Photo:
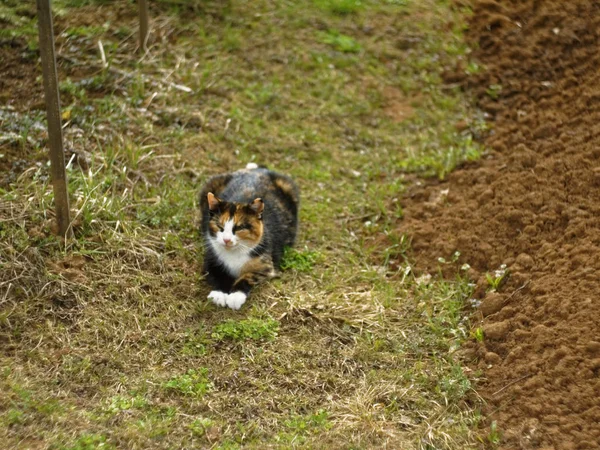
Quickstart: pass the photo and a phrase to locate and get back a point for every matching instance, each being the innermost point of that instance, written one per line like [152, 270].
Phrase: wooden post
[144, 25]
[55, 136]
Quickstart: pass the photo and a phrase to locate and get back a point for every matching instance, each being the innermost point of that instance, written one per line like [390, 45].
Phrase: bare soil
[533, 204]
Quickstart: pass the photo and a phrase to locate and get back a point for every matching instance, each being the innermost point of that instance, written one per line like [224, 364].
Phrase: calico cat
[248, 217]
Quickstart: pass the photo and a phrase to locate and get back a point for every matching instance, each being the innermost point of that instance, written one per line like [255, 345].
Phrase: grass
[108, 340]
[193, 383]
[250, 329]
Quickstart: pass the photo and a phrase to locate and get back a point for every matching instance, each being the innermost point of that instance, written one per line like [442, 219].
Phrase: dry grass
[107, 340]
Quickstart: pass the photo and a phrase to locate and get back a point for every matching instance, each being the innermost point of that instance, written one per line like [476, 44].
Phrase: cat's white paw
[217, 297]
[236, 300]
[251, 166]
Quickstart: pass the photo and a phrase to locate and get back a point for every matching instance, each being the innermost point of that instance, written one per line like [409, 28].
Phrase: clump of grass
[196, 342]
[90, 441]
[494, 436]
[247, 329]
[299, 427]
[302, 261]
[341, 7]
[194, 383]
[200, 426]
[494, 91]
[120, 403]
[340, 42]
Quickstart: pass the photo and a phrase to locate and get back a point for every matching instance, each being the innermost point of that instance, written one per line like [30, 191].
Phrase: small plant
[340, 42]
[477, 334]
[199, 426]
[196, 341]
[494, 90]
[496, 280]
[298, 427]
[304, 423]
[14, 417]
[194, 383]
[90, 442]
[120, 403]
[302, 261]
[494, 436]
[473, 68]
[249, 329]
[455, 384]
[340, 7]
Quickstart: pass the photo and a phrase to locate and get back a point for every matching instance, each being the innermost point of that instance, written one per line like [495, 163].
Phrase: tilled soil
[534, 205]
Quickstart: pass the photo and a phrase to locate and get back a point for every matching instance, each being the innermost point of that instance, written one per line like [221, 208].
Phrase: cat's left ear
[258, 207]
[213, 202]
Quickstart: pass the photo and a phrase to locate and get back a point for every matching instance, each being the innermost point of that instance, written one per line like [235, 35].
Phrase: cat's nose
[227, 241]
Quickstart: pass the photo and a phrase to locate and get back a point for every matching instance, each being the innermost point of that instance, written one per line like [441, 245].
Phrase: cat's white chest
[232, 259]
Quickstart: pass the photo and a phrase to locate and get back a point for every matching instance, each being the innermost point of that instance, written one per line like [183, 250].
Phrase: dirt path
[534, 205]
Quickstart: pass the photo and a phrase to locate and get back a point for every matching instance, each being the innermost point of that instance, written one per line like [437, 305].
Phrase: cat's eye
[220, 227]
[240, 227]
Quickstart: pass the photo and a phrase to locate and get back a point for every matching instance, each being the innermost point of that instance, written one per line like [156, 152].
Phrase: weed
[13, 417]
[247, 329]
[497, 279]
[478, 334]
[494, 91]
[340, 42]
[120, 403]
[199, 426]
[494, 437]
[341, 7]
[196, 342]
[90, 442]
[299, 427]
[302, 261]
[194, 383]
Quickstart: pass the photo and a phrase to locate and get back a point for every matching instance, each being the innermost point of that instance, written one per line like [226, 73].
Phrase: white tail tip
[251, 166]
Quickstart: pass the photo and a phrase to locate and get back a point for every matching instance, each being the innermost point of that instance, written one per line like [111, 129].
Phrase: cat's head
[235, 225]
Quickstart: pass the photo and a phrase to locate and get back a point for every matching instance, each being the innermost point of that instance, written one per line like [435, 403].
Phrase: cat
[248, 218]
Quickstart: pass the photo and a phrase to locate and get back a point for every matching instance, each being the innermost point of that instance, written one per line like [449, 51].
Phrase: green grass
[108, 339]
[193, 383]
[340, 42]
[250, 329]
[340, 7]
[302, 261]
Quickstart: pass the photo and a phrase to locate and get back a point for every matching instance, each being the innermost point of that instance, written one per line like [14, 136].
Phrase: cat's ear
[258, 207]
[213, 202]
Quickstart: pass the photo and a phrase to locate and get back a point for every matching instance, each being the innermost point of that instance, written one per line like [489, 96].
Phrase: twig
[511, 383]
[515, 291]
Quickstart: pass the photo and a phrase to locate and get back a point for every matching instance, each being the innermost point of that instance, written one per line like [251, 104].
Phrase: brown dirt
[18, 86]
[397, 106]
[534, 204]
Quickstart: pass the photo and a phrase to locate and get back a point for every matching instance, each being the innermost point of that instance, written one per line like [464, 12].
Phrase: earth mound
[533, 204]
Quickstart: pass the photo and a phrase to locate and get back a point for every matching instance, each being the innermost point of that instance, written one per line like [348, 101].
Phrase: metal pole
[55, 137]
[144, 24]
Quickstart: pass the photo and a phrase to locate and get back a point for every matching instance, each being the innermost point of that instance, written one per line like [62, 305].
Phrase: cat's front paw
[236, 300]
[217, 297]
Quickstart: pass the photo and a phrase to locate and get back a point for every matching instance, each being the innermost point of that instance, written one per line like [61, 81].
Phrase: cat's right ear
[213, 202]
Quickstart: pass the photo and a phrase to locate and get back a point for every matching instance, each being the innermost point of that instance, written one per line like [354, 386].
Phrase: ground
[441, 293]
[530, 209]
